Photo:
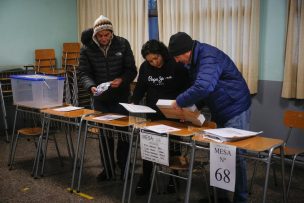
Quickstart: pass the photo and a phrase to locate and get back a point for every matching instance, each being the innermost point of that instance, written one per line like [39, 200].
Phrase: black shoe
[143, 186]
[171, 187]
[102, 176]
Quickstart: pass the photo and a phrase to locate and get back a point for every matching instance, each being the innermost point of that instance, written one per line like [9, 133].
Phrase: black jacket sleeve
[141, 86]
[85, 72]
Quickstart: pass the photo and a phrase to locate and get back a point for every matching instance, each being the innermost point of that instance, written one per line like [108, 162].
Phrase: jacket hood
[86, 36]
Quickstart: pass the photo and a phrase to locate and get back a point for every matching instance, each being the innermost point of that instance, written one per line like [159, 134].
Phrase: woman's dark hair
[155, 47]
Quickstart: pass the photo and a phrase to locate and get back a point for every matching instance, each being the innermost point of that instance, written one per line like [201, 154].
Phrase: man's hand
[116, 83]
[177, 108]
[93, 90]
[175, 105]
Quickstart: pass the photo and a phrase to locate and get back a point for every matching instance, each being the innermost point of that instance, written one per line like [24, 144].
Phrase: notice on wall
[154, 147]
[222, 166]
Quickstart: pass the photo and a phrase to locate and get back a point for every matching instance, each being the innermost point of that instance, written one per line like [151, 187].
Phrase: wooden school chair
[294, 120]
[32, 130]
[75, 92]
[45, 62]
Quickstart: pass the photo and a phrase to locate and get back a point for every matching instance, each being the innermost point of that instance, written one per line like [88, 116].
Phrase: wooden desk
[74, 117]
[256, 144]
[187, 130]
[107, 125]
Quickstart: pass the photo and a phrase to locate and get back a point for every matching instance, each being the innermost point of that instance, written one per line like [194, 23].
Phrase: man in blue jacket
[216, 82]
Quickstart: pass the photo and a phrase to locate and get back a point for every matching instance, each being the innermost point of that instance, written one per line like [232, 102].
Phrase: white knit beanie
[102, 23]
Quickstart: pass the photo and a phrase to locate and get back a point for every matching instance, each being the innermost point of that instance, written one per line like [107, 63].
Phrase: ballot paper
[228, 134]
[102, 88]
[109, 117]
[161, 128]
[68, 108]
[133, 108]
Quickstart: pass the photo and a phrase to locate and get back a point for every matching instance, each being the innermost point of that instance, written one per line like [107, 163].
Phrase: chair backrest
[293, 119]
[70, 54]
[44, 59]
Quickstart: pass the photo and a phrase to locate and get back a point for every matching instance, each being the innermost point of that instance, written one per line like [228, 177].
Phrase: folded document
[228, 134]
[102, 88]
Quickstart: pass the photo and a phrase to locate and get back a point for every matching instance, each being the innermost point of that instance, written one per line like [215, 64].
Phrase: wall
[27, 25]
[267, 105]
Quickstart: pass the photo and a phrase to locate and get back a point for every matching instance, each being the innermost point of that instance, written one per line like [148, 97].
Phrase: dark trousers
[122, 145]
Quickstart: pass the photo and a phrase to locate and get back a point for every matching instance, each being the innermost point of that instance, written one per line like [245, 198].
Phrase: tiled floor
[17, 185]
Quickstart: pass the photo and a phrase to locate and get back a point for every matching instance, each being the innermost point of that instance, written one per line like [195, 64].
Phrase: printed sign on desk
[154, 147]
[222, 166]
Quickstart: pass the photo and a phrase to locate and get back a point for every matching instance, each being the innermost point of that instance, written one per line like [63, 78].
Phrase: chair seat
[52, 71]
[30, 131]
[179, 163]
[289, 151]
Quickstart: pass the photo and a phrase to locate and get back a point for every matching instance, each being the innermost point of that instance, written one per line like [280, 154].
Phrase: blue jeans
[241, 121]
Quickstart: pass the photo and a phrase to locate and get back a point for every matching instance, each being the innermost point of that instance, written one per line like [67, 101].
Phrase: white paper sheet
[68, 108]
[109, 117]
[154, 147]
[137, 108]
[162, 128]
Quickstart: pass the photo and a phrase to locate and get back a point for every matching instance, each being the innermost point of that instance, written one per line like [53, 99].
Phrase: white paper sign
[222, 166]
[154, 147]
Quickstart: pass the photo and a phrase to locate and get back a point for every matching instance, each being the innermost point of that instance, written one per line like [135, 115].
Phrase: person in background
[217, 82]
[106, 57]
[160, 77]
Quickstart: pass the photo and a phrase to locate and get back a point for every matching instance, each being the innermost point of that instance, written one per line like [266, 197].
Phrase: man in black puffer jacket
[105, 58]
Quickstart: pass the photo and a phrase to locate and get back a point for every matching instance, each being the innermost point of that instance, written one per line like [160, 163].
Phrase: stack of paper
[191, 114]
[137, 108]
[228, 134]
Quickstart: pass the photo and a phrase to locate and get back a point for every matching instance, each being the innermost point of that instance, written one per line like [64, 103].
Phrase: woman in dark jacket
[160, 77]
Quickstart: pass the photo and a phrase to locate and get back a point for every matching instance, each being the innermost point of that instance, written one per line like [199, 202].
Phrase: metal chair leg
[81, 158]
[290, 177]
[13, 135]
[152, 181]
[13, 152]
[252, 177]
[133, 168]
[45, 147]
[58, 152]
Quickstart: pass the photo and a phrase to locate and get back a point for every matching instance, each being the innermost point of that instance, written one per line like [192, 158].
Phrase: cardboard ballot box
[191, 114]
[38, 91]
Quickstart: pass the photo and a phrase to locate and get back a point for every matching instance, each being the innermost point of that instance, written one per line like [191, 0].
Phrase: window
[153, 20]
